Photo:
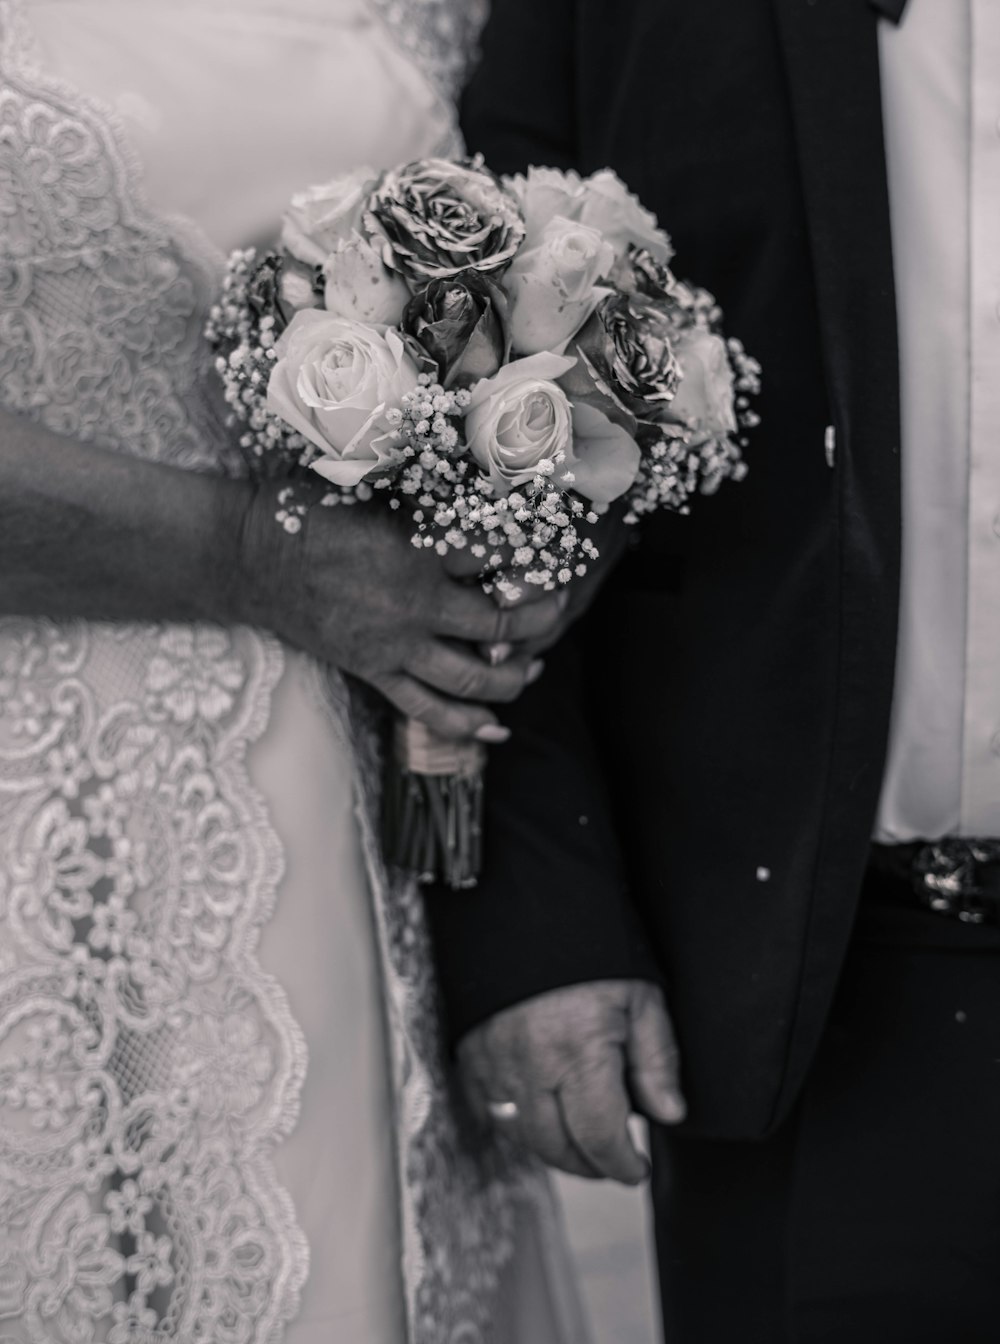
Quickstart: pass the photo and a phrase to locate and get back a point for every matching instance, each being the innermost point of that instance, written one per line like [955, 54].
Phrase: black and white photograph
[499, 671]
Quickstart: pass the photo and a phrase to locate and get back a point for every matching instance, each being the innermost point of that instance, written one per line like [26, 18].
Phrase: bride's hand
[351, 589]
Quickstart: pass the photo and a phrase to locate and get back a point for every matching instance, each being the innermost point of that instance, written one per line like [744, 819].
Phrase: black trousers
[873, 1216]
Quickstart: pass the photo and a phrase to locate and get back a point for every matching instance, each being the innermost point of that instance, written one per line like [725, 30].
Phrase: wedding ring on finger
[503, 1111]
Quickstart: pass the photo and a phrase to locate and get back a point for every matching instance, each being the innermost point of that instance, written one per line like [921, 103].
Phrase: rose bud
[609, 207]
[434, 219]
[601, 201]
[358, 286]
[321, 217]
[627, 348]
[520, 424]
[705, 400]
[462, 325]
[544, 193]
[555, 285]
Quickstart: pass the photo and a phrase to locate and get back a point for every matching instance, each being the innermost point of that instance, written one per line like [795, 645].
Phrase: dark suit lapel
[831, 57]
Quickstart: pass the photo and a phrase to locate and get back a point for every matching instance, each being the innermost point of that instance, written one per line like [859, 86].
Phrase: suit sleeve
[552, 907]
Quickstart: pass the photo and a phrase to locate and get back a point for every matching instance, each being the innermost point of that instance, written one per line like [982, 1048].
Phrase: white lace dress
[223, 1114]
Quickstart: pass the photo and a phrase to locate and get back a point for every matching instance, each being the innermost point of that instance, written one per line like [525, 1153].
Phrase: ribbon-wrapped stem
[434, 806]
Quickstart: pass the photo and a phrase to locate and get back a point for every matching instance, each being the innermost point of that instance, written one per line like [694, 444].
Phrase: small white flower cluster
[674, 470]
[682, 464]
[534, 531]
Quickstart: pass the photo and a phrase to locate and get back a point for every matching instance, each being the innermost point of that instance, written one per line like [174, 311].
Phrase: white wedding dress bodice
[223, 1114]
[233, 105]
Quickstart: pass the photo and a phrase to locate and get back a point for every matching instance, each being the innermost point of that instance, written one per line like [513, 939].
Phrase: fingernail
[534, 672]
[499, 653]
[493, 733]
[673, 1108]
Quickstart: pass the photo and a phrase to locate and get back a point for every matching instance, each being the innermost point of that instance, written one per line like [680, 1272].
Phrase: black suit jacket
[691, 787]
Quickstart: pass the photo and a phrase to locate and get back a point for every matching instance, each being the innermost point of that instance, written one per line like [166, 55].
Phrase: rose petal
[344, 473]
[545, 367]
[605, 459]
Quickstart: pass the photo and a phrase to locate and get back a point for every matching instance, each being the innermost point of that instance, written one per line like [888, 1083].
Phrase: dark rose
[462, 325]
[639, 272]
[268, 289]
[627, 349]
[435, 219]
[264, 289]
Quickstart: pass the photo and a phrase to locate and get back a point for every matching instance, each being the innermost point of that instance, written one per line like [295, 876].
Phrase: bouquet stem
[434, 806]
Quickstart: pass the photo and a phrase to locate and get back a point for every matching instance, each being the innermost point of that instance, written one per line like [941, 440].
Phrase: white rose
[608, 206]
[521, 419]
[553, 286]
[359, 287]
[542, 194]
[705, 399]
[335, 381]
[321, 216]
[602, 201]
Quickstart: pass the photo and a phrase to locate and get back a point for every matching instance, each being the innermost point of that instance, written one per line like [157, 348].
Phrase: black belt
[956, 878]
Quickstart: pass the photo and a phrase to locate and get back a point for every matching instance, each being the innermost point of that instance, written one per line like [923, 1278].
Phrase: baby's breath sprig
[683, 462]
[532, 535]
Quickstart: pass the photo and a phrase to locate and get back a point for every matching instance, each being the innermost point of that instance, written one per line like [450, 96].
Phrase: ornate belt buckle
[947, 878]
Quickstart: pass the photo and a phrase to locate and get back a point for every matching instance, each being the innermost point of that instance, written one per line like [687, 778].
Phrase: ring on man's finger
[503, 1111]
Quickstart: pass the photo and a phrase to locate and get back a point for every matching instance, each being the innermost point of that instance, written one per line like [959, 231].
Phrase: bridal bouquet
[500, 358]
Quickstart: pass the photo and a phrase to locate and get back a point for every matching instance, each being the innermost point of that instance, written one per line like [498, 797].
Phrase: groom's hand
[562, 1073]
[610, 534]
[352, 589]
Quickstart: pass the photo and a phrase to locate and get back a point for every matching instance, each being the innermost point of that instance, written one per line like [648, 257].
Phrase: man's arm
[548, 979]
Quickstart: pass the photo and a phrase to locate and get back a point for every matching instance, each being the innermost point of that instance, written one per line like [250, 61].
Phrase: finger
[595, 1110]
[537, 1125]
[531, 620]
[513, 590]
[464, 611]
[450, 719]
[495, 654]
[463, 564]
[461, 673]
[540, 1128]
[653, 1059]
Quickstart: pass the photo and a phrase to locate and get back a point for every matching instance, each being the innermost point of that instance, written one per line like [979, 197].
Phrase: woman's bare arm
[90, 533]
[104, 536]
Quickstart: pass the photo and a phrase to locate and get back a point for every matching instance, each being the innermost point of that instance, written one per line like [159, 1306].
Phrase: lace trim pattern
[101, 302]
[441, 36]
[148, 1066]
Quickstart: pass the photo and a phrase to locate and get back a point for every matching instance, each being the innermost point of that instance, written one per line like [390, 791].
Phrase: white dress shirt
[941, 104]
